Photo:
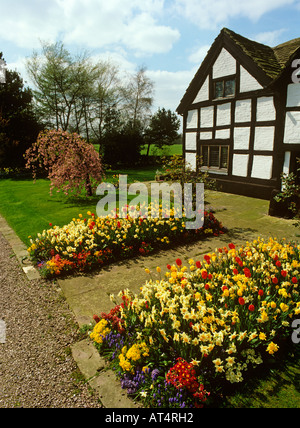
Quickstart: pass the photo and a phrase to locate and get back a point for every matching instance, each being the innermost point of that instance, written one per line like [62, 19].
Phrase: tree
[18, 125]
[163, 129]
[71, 162]
[122, 145]
[138, 97]
[104, 100]
[64, 86]
[73, 93]
[76, 94]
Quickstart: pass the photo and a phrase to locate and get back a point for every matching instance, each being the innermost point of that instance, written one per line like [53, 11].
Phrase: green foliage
[290, 194]
[122, 146]
[18, 125]
[163, 129]
[176, 169]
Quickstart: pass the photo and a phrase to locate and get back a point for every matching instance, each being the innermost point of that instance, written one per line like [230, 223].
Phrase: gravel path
[36, 366]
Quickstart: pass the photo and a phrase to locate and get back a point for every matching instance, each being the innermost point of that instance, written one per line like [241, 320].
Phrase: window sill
[223, 98]
[215, 170]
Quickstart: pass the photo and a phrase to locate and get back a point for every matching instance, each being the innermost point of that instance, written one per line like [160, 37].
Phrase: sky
[168, 37]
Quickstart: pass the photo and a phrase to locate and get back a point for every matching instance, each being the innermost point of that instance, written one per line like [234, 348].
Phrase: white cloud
[170, 87]
[19, 66]
[117, 58]
[270, 38]
[144, 35]
[199, 54]
[133, 24]
[25, 23]
[211, 14]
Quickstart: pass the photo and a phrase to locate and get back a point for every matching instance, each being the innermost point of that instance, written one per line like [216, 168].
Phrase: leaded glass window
[224, 88]
[215, 157]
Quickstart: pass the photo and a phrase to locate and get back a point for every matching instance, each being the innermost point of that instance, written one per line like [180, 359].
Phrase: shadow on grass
[276, 383]
[80, 201]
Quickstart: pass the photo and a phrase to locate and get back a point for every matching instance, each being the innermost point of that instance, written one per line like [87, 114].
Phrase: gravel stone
[36, 365]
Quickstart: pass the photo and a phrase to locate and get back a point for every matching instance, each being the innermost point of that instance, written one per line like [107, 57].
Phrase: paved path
[246, 219]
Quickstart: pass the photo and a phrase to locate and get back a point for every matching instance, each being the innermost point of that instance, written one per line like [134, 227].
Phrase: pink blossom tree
[70, 161]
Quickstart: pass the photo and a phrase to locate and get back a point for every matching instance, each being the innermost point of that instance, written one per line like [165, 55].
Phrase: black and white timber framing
[241, 114]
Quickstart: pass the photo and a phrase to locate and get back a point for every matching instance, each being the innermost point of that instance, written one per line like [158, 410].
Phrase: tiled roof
[284, 51]
[270, 61]
[264, 56]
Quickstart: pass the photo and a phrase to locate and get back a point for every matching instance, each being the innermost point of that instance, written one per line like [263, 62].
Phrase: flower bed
[199, 328]
[91, 242]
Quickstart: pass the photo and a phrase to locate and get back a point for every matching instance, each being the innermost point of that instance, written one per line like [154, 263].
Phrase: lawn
[174, 149]
[29, 208]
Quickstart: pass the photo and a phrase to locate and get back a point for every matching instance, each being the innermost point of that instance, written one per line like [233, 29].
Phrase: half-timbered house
[241, 114]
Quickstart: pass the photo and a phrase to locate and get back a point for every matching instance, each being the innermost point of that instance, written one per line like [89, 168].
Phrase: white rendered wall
[190, 158]
[205, 135]
[292, 127]
[265, 109]
[286, 163]
[191, 141]
[262, 167]
[241, 138]
[243, 111]
[247, 81]
[293, 95]
[223, 134]
[203, 94]
[224, 114]
[264, 138]
[192, 119]
[224, 65]
[240, 165]
[207, 117]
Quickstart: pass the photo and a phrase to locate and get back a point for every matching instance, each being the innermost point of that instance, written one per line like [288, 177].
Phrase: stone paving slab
[19, 249]
[100, 378]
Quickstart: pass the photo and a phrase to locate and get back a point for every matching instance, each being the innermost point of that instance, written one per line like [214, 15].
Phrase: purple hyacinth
[154, 374]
